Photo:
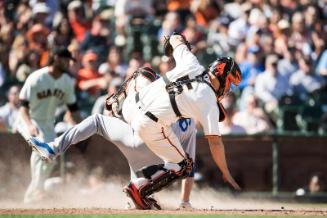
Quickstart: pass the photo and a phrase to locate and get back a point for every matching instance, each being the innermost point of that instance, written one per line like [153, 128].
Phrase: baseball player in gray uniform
[44, 90]
[122, 135]
[187, 91]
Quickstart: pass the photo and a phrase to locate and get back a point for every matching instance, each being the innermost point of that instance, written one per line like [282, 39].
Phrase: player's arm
[73, 114]
[181, 52]
[25, 115]
[217, 150]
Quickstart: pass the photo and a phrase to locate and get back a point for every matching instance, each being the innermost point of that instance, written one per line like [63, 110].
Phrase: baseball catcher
[187, 91]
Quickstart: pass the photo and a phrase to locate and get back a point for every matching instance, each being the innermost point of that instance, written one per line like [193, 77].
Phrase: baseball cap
[62, 52]
[41, 8]
[74, 5]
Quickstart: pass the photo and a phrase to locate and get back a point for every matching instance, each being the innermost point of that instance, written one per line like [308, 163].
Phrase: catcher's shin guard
[141, 203]
[163, 177]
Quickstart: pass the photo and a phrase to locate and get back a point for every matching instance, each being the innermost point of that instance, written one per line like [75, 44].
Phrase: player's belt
[148, 113]
[151, 116]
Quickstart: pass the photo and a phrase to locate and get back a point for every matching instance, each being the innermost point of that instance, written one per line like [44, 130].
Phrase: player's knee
[150, 172]
[154, 172]
[160, 177]
[95, 122]
[172, 166]
[96, 118]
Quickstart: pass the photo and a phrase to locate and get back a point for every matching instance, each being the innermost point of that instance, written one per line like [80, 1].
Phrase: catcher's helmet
[226, 71]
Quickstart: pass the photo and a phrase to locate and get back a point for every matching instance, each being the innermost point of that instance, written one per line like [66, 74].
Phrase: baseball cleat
[185, 206]
[132, 191]
[153, 203]
[43, 149]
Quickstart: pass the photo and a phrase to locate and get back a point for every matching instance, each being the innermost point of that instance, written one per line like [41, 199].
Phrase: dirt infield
[309, 213]
[112, 200]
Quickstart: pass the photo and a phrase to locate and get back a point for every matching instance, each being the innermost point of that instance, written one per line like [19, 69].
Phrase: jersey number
[184, 123]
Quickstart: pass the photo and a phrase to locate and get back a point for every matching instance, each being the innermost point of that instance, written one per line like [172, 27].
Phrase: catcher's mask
[226, 71]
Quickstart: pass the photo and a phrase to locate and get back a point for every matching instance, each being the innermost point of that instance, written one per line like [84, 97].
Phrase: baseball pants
[40, 170]
[123, 136]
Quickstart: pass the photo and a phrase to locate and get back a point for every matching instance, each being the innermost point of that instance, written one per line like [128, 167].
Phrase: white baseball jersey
[199, 102]
[46, 93]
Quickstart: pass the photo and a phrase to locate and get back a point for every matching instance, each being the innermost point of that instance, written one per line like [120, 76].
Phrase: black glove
[168, 49]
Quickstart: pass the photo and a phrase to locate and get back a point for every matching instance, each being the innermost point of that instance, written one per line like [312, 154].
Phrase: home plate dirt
[112, 200]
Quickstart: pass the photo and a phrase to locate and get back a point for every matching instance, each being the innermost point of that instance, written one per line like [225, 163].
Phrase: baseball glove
[168, 49]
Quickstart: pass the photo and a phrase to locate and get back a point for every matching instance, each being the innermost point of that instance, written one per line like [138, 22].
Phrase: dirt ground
[309, 213]
[111, 200]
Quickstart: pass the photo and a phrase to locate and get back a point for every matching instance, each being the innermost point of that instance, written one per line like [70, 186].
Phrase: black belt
[151, 116]
[148, 113]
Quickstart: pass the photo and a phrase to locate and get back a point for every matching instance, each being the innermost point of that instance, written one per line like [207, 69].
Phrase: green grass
[154, 215]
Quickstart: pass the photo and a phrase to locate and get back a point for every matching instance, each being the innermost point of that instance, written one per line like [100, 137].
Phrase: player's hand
[34, 131]
[228, 178]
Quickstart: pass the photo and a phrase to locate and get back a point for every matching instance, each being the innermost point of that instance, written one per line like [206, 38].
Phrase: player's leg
[186, 188]
[32, 193]
[161, 140]
[177, 163]
[185, 130]
[141, 157]
[110, 128]
[164, 143]
[40, 170]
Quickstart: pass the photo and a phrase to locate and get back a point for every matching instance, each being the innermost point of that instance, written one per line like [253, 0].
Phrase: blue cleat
[43, 149]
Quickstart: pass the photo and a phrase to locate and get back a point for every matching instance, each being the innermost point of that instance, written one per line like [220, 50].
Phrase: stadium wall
[250, 159]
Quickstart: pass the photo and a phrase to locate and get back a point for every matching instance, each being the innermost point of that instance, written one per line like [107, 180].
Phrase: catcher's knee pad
[160, 177]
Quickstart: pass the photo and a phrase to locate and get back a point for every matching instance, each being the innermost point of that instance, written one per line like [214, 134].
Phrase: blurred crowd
[280, 46]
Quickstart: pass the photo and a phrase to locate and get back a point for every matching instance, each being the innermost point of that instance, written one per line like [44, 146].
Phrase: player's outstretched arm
[33, 130]
[217, 150]
[182, 54]
[176, 40]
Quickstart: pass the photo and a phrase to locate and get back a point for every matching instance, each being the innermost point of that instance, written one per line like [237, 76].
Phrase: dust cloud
[109, 194]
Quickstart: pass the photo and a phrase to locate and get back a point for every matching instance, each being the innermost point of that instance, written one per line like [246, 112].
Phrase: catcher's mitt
[114, 102]
[168, 49]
